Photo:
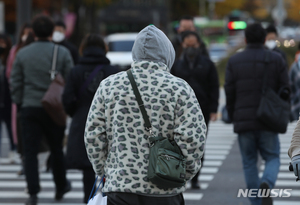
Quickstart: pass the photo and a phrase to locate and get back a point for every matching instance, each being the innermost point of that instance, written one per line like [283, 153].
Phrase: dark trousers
[120, 198]
[35, 123]
[195, 178]
[88, 182]
[5, 116]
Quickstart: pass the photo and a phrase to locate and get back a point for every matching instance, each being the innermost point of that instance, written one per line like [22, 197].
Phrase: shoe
[266, 200]
[32, 200]
[195, 185]
[59, 194]
[13, 157]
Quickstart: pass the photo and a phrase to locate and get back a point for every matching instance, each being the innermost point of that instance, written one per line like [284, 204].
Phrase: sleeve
[190, 131]
[67, 64]
[295, 143]
[17, 81]
[213, 88]
[10, 61]
[283, 76]
[229, 90]
[69, 97]
[95, 137]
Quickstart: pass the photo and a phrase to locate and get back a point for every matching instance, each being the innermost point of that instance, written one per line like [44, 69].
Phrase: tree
[226, 7]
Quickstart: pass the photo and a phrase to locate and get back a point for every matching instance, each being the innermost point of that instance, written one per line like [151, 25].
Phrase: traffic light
[236, 25]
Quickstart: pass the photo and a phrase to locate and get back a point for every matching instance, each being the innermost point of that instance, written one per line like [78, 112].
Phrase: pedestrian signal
[236, 25]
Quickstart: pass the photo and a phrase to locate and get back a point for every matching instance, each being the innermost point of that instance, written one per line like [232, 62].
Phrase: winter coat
[73, 50]
[294, 76]
[203, 78]
[116, 140]
[30, 77]
[295, 144]
[77, 104]
[243, 85]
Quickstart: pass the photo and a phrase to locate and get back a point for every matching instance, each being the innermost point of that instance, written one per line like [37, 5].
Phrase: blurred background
[219, 22]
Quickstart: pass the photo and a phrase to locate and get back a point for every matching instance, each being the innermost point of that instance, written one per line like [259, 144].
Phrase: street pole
[202, 8]
[23, 14]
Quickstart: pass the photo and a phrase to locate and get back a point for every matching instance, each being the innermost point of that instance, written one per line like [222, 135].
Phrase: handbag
[52, 100]
[97, 199]
[225, 116]
[167, 165]
[273, 111]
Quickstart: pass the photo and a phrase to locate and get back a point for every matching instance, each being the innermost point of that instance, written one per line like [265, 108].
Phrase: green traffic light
[239, 25]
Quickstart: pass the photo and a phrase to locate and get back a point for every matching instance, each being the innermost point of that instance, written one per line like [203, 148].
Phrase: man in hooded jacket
[116, 140]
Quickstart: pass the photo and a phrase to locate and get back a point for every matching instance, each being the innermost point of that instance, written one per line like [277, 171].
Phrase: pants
[195, 178]
[5, 117]
[267, 144]
[120, 198]
[35, 123]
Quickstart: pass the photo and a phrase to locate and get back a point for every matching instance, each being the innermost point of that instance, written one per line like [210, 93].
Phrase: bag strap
[89, 80]
[137, 94]
[95, 186]
[265, 78]
[53, 71]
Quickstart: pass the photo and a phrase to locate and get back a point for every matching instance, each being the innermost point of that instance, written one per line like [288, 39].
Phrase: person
[295, 83]
[5, 99]
[243, 88]
[201, 74]
[186, 23]
[59, 37]
[271, 43]
[30, 79]
[116, 141]
[294, 150]
[77, 98]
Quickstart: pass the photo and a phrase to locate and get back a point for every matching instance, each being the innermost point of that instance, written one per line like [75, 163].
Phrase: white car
[119, 49]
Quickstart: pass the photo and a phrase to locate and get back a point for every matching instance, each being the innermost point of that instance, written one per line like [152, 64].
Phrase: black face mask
[2, 50]
[191, 53]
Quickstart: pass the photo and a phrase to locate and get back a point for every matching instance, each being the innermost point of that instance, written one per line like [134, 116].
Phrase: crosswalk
[220, 141]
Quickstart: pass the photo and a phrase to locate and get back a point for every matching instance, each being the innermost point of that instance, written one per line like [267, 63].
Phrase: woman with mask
[81, 86]
[201, 74]
[5, 100]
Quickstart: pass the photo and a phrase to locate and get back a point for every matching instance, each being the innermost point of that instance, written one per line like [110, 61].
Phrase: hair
[42, 26]
[8, 47]
[60, 23]
[21, 44]
[186, 17]
[299, 46]
[271, 29]
[186, 34]
[92, 39]
[255, 33]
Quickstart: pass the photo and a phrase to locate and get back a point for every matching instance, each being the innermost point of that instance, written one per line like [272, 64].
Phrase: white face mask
[58, 36]
[23, 38]
[271, 44]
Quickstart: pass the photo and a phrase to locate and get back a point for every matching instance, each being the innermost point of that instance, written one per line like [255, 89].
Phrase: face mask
[2, 50]
[271, 44]
[58, 36]
[23, 38]
[191, 52]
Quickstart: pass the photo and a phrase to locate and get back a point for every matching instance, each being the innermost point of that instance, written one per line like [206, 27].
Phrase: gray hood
[152, 44]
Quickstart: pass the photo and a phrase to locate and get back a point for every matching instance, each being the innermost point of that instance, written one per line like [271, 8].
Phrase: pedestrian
[271, 44]
[201, 74]
[5, 99]
[243, 87]
[59, 37]
[294, 150]
[116, 140]
[30, 79]
[186, 23]
[294, 76]
[80, 89]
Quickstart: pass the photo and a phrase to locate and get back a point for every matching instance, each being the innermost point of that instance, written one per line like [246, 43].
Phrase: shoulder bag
[52, 100]
[167, 165]
[273, 111]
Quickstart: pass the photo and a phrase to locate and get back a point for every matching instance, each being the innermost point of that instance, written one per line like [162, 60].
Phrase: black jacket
[77, 105]
[73, 50]
[243, 85]
[204, 80]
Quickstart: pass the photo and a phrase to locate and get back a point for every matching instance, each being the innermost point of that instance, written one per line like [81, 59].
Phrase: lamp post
[23, 13]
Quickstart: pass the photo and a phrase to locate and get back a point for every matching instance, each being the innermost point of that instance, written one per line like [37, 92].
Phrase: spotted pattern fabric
[116, 140]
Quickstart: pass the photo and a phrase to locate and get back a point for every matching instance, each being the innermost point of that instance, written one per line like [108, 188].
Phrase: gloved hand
[296, 165]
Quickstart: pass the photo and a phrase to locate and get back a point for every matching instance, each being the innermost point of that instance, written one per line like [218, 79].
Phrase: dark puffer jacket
[243, 85]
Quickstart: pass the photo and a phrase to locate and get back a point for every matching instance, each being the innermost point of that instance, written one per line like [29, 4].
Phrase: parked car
[119, 49]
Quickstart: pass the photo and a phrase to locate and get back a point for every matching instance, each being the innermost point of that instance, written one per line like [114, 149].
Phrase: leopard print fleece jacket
[115, 138]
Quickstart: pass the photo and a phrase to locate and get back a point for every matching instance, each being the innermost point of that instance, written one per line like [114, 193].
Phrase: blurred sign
[236, 25]
[2, 17]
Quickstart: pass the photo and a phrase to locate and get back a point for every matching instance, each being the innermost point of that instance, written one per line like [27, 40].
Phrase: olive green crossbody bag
[167, 165]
